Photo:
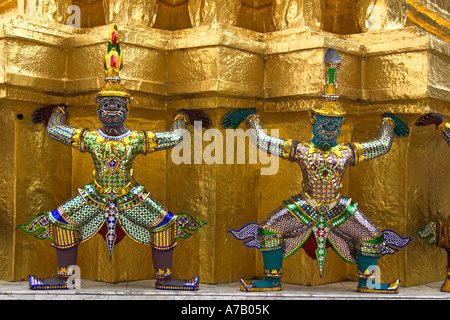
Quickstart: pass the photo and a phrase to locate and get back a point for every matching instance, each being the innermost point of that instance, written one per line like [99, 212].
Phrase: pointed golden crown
[113, 65]
[330, 105]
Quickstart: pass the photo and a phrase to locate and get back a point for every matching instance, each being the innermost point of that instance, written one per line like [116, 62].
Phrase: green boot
[368, 256]
[270, 245]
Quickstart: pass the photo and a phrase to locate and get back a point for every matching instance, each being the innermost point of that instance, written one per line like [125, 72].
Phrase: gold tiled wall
[215, 63]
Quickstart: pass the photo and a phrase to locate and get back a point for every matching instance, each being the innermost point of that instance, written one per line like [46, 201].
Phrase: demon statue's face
[326, 130]
[112, 111]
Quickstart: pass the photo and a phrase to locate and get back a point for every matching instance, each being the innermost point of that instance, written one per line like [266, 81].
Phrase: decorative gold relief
[312, 13]
[371, 14]
[381, 14]
[288, 14]
[135, 12]
[397, 13]
[47, 10]
[201, 12]
[204, 12]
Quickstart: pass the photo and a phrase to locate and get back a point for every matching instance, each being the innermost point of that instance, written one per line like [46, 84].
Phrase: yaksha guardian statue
[438, 232]
[320, 217]
[114, 204]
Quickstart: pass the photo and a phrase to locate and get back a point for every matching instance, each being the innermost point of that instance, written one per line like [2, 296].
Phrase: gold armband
[287, 151]
[254, 115]
[181, 116]
[149, 141]
[77, 138]
[61, 109]
[443, 126]
[358, 151]
[387, 119]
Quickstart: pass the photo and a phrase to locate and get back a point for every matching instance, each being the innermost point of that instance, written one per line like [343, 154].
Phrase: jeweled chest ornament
[325, 165]
[112, 164]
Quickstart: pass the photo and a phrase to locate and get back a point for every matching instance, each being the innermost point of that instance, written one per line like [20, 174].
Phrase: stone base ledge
[144, 290]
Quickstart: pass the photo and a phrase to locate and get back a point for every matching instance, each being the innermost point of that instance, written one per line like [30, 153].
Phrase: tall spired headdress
[113, 65]
[330, 105]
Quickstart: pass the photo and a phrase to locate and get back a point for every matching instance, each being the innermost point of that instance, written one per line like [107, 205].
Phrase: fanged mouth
[112, 116]
[112, 113]
[328, 134]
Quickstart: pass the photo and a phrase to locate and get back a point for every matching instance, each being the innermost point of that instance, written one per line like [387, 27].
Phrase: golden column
[216, 55]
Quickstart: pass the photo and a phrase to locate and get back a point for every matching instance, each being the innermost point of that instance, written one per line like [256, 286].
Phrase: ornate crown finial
[113, 65]
[329, 105]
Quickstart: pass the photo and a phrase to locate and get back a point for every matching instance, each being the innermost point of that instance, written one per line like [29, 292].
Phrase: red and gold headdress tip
[113, 56]
[114, 35]
[113, 65]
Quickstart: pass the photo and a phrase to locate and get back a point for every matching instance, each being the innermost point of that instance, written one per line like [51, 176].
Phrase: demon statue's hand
[235, 118]
[195, 115]
[401, 128]
[42, 115]
[429, 118]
